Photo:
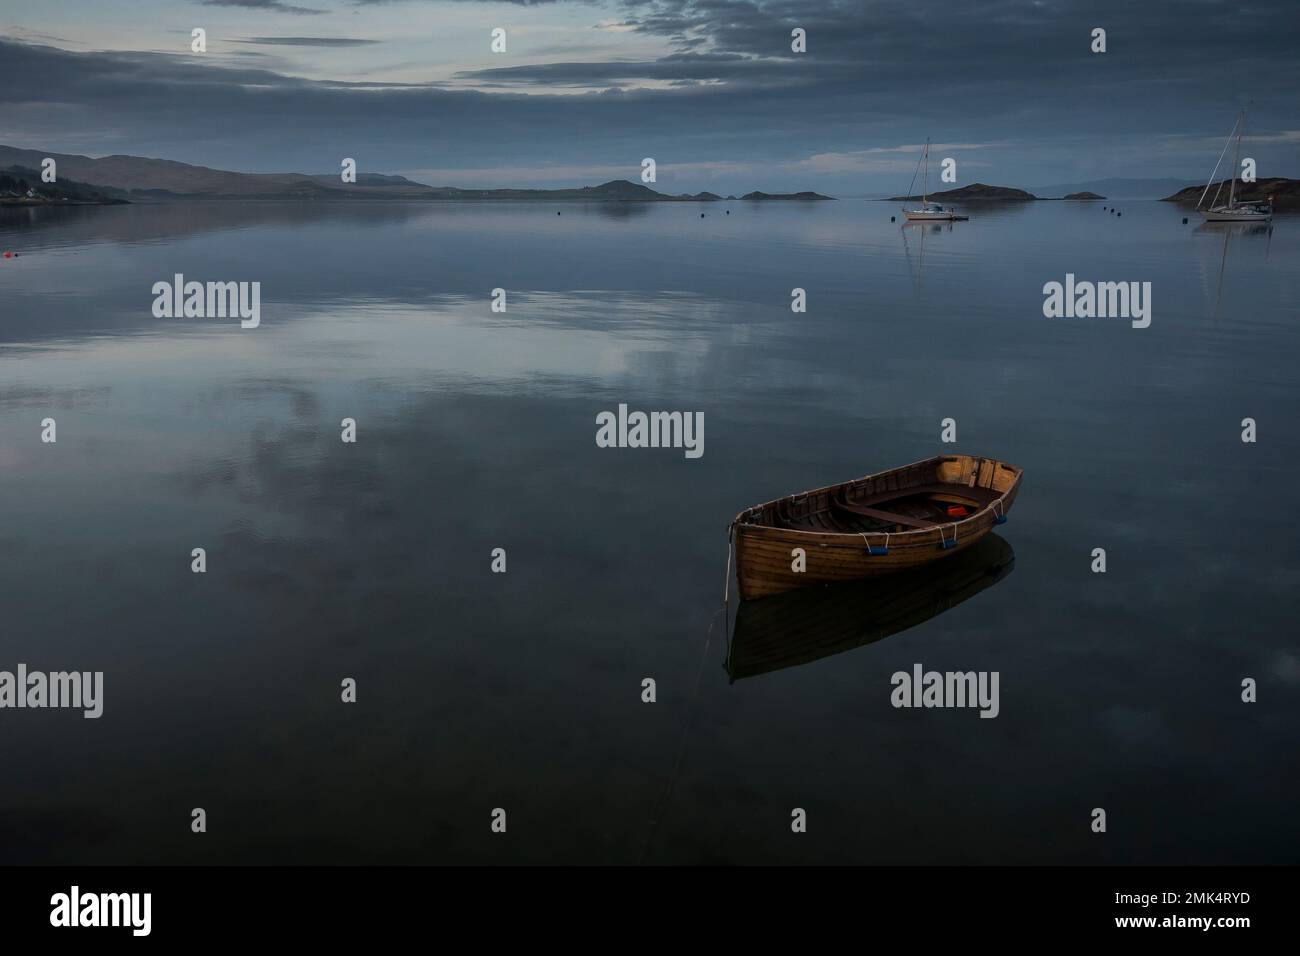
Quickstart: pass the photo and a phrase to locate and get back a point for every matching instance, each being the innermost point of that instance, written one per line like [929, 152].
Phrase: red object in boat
[957, 511]
[9, 255]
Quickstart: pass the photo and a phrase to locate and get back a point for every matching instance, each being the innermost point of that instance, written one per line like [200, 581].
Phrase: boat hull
[918, 216]
[1228, 215]
[766, 558]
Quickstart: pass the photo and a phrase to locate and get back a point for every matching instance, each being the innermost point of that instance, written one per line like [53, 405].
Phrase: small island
[975, 192]
[797, 197]
[1084, 196]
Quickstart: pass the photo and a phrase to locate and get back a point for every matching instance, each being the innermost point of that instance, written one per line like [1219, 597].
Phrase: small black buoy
[1119, 214]
[557, 212]
[891, 218]
[701, 215]
[728, 212]
[1103, 208]
[1184, 220]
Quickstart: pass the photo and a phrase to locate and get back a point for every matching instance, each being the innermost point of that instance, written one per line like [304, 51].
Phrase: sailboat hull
[925, 214]
[1235, 215]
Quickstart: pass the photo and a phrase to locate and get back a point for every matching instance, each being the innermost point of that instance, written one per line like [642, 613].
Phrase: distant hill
[369, 180]
[802, 197]
[1285, 192]
[141, 179]
[1116, 188]
[1087, 196]
[618, 190]
[974, 192]
[22, 186]
[155, 178]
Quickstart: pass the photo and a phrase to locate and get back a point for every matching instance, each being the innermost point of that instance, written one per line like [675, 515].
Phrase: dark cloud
[677, 67]
[934, 47]
[274, 5]
[306, 41]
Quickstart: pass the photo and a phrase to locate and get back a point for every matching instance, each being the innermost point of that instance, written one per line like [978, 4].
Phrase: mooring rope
[690, 704]
[726, 582]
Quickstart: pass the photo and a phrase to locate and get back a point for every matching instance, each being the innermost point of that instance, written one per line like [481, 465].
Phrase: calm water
[476, 431]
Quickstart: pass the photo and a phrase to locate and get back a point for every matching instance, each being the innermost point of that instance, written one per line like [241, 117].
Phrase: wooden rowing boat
[891, 521]
[787, 630]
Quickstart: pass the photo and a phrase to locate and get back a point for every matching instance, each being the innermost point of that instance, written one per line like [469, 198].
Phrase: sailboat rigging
[1233, 211]
[928, 209]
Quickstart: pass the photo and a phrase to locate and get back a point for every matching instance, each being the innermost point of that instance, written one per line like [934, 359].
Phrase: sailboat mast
[1236, 159]
[925, 180]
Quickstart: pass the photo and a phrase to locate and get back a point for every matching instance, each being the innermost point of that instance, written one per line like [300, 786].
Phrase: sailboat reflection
[1230, 231]
[1236, 228]
[797, 627]
[917, 269]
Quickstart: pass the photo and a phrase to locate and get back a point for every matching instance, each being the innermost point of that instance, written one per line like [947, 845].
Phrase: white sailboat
[928, 210]
[1255, 211]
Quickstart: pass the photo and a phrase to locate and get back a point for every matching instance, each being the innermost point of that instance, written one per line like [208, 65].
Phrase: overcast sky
[709, 88]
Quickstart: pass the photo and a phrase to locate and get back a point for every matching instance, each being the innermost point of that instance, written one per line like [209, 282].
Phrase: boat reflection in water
[916, 266]
[797, 627]
[1249, 231]
[1235, 228]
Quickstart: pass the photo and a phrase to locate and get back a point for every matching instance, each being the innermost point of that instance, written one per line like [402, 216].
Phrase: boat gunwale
[855, 538]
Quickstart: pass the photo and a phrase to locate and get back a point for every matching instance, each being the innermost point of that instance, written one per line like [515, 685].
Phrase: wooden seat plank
[905, 520]
[981, 496]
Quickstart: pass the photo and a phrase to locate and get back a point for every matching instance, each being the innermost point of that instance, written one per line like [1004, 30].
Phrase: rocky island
[798, 197]
[975, 192]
